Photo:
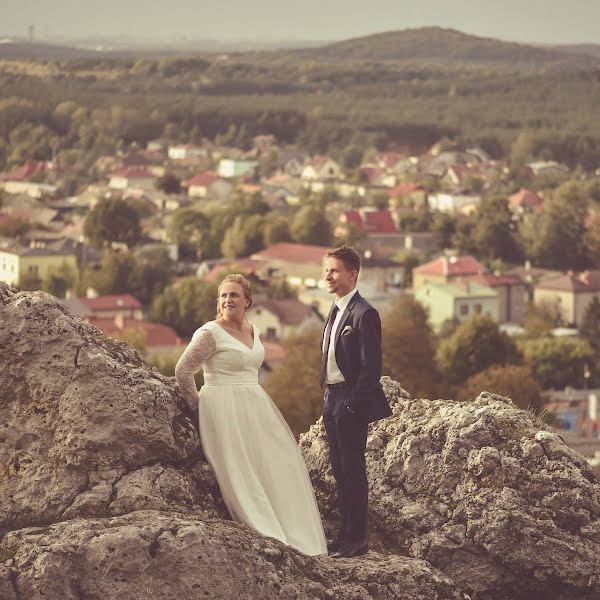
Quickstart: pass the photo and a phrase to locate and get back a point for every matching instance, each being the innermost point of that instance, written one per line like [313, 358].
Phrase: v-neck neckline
[240, 341]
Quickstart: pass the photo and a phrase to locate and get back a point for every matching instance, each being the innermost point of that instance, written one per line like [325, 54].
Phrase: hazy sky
[546, 21]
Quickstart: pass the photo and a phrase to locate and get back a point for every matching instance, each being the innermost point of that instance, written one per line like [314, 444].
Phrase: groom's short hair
[347, 255]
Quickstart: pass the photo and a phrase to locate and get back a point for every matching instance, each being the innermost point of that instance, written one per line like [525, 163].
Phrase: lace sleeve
[198, 350]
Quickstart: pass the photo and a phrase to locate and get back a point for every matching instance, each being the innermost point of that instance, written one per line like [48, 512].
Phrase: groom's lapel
[346, 316]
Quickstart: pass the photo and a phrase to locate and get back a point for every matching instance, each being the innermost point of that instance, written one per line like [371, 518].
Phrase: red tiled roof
[379, 221]
[112, 302]
[154, 334]
[588, 281]
[525, 198]
[300, 253]
[274, 351]
[498, 280]
[133, 173]
[289, 310]
[26, 171]
[371, 222]
[203, 179]
[388, 159]
[404, 189]
[453, 266]
[245, 265]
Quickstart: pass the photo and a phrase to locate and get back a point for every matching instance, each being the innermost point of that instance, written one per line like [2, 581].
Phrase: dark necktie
[323, 371]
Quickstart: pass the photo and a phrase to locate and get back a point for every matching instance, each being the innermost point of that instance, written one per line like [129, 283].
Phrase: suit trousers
[347, 438]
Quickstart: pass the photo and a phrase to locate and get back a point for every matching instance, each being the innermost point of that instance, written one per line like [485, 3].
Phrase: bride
[261, 473]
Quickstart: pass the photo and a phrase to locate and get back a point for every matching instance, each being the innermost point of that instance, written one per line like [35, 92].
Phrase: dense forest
[401, 90]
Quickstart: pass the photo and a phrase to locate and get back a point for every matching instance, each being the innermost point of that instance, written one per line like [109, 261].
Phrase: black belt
[336, 386]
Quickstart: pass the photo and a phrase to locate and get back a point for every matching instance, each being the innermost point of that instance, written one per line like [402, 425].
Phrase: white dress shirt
[333, 374]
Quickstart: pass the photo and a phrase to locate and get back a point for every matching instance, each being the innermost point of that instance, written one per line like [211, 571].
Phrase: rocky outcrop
[484, 491]
[105, 493]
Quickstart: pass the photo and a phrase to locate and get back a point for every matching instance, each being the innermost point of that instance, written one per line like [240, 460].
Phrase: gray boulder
[483, 491]
[105, 492]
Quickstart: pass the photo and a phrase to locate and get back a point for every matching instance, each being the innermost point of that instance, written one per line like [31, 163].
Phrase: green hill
[448, 45]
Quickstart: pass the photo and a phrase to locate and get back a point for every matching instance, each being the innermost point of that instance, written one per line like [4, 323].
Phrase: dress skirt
[261, 473]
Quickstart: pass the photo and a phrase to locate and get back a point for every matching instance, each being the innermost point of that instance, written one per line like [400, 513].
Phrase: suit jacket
[358, 355]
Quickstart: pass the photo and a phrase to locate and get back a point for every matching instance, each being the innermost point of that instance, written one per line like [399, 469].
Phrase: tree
[114, 275]
[512, 381]
[556, 237]
[521, 150]
[476, 345]
[590, 325]
[310, 226]
[190, 229]
[492, 232]
[59, 281]
[185, 306]
[294, 383]
[408, 350]
[244, 237]
[276, 229]
[558, 362]
[351, 156]
[539, 320]
[592, 237]
[112, 220]
[169, 184]
[443, 227]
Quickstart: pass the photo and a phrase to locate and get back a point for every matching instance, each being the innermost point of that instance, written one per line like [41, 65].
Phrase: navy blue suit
[350, 407]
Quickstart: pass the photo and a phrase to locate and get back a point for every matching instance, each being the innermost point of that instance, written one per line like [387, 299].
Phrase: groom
[350, 372]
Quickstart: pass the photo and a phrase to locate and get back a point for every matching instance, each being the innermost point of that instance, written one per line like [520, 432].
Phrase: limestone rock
[105, 492]
[483, 491]
[162, 556]
[85, 425]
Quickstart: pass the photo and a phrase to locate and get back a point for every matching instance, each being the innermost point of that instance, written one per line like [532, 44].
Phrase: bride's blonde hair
[239, 279]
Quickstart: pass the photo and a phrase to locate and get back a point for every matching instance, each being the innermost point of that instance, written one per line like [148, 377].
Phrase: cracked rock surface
[483, 491]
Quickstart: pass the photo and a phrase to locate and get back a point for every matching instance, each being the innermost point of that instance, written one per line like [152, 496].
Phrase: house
[300, 264]
[525, 201]
[458, 300]
[25, 180]
[212, 269]
[105, 307]
[568, 295]
[36, 260]
[264, 141]
[547, 168]
[280, 318]
[407, 194]
[453, 203]
[368, 222]
[199, 185]
[229, 167]
[321, 168]
[157, 339]
[186, 151]
[531, 276]
[459, 175]
[513, 296]
[131, 177]
[575, 411]
[160, 145]
[446, 269]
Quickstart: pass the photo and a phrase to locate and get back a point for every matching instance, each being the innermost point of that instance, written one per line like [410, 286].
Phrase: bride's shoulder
[208, 326]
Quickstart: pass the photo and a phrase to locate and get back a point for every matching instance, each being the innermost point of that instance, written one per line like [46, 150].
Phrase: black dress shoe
[351, 549]
[334, 546]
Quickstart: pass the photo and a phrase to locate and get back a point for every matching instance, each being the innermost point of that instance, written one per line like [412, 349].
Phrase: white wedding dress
[261, 473]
